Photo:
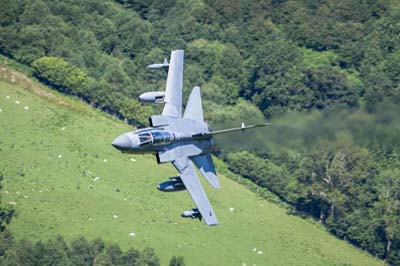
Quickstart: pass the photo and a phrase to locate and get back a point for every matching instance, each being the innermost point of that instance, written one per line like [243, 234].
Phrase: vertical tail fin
[194, 109]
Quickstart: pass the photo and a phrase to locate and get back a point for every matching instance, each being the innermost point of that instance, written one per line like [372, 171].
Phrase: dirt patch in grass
[12, 76]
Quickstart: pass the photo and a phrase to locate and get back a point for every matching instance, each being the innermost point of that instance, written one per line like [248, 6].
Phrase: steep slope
[63, 177]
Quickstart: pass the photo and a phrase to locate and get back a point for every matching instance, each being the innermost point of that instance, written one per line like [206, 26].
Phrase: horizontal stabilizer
[206, 166]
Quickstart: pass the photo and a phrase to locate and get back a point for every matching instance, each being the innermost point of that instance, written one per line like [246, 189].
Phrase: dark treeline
[252, 59]
[80, 252]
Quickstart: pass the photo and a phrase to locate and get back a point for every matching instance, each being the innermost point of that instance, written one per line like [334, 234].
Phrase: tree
[6, 241]
[9, 11]
[387, 213]
[131, 257]
[331, 178]
[377, 87]
[77, 81]
[26, 255]
[176, 261]
[63, 76]
[53, 252]
[53, 70]
[149, 258]
[329, 87]
[6, 213]
[81, 252]
[133, 111]
[268, 66]
[391, 68]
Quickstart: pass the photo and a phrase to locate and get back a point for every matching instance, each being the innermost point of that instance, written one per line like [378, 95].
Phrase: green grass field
[63, 177]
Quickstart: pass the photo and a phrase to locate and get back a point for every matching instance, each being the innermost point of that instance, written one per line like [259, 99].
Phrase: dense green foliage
[59, 73]
[279, 56]
[258, 50]
[80, 252]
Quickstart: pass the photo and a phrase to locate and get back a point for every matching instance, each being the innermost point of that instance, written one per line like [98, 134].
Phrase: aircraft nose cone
[122, 142]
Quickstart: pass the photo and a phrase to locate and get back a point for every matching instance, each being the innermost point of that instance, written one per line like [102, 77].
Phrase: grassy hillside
[63, 177]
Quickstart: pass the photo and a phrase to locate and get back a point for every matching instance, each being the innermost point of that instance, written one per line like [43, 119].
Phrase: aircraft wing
[173, 92]
[195, 189]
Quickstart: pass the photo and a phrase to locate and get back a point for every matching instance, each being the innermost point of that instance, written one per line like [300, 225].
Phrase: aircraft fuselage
[152, 140]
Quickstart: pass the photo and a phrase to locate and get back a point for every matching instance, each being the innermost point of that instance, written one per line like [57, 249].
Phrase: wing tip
[213, 224]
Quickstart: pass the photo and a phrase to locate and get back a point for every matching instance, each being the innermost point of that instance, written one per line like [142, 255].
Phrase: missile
[165, 64]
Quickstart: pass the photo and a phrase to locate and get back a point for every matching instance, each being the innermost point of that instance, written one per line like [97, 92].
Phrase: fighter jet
[184, 141]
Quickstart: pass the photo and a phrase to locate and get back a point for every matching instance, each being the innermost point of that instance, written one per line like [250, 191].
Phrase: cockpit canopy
[145, 138]
[155, 137]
